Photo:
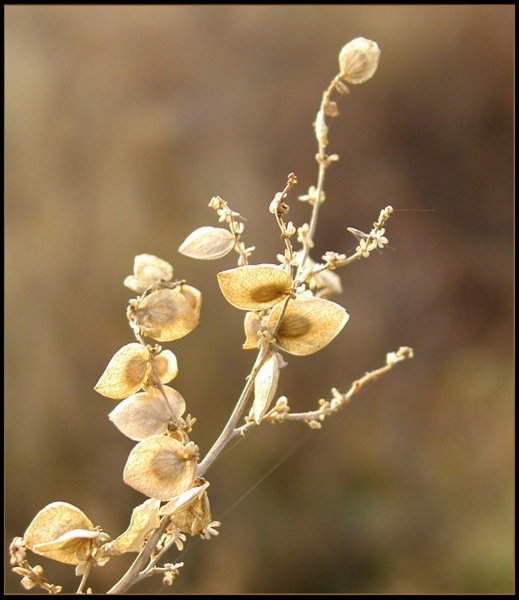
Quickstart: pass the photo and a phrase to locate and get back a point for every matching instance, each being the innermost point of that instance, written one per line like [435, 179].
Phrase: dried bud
[208, 243]
[358, 60]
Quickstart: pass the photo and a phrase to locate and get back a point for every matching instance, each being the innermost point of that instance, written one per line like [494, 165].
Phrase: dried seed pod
[308, 324]
[168, 314]
[358, 60]
[148, 269]
[165, 366]
[254, 287]
[61, 532]
[125, 373]
[208, 243]
[147, 414]
[161, 467]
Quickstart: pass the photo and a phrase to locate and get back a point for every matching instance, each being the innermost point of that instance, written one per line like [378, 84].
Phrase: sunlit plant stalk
[287, 310]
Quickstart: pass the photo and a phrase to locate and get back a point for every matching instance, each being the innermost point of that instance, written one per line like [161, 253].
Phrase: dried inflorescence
[287, 312]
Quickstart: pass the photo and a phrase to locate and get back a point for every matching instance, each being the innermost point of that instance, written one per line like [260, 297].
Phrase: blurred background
[121, 123]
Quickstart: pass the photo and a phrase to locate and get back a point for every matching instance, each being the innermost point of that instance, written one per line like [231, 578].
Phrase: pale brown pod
[254, 287]
[308, 324]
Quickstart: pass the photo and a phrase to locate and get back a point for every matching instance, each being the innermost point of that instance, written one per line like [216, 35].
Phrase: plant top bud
[358, 60]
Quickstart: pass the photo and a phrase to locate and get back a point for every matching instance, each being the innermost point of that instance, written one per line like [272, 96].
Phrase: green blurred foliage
[121, 123]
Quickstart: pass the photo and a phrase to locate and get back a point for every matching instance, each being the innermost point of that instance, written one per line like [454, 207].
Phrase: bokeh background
[121, 123]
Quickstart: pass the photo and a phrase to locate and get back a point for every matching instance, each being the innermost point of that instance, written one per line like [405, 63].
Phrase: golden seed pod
[148, 269]
[358, 60]
[308, 324]
[61, 532]
[146, 414]
[208, 243]
[161, 467]
[169, 314]
[125, 373]
[254, 287]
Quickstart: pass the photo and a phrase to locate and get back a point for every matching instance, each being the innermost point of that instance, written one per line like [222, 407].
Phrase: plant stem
[133, 574]
[229, 431]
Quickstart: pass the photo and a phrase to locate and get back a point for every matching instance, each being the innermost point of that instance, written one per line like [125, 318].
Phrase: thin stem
[84, 578]
[324, 163]
[229, 431]
[133, 574]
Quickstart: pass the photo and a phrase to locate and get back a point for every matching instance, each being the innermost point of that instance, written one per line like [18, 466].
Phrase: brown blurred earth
[121, 123]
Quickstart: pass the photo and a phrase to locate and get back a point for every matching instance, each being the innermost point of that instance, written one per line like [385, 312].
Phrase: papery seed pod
[208, 243]
[358, 60]
[147, 414]
[148, 269]
[126, 372]
[61, 532]
[161, 467]
[254, 287]
[308, 324]
[167, 314]
[165, 366]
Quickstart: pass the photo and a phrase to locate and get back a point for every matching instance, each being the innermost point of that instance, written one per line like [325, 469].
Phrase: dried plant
[287, 310]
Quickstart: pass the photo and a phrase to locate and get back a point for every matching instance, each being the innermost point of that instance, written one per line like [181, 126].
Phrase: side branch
[314, 418]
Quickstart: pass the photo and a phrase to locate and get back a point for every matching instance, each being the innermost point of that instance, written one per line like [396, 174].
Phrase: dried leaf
[161, 467]
[208, 243]
[148, 269]
[308, 324]
[126, 372]
[265, 386]
[145, 518]
[146, 414]
[254, 287]
[60, 519]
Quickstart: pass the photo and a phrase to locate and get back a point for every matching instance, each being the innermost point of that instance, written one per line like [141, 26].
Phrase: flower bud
[358, 60]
